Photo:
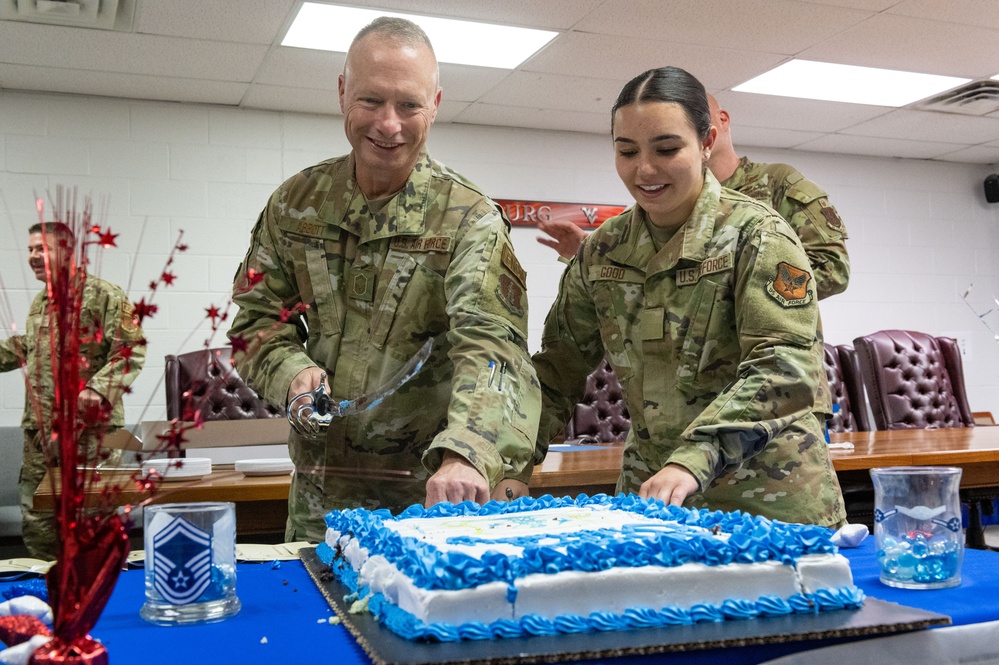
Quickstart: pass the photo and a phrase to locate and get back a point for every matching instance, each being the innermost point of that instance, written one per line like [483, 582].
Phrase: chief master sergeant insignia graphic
[182, 561]
[789, 286]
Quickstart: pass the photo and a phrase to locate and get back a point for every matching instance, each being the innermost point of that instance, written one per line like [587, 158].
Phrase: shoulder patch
[510, 262]
[421, 244]
[789, 287]
[832, 217]
[511, 294]
[128, 320]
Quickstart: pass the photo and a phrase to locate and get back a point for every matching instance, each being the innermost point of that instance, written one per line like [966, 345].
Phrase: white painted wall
[920, 231]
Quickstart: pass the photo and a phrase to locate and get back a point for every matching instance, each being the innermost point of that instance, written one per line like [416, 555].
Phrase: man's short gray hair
[398, 28]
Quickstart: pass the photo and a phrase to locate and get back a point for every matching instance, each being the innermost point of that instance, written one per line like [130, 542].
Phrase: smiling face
[389, 97]
[37, 246]
[660, 159]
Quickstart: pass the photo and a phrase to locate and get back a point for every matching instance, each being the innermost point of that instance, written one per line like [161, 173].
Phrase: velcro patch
[789, 287]
[421, 244]
[651, 323]
[510, 262]
[616, 274]
[361, 284]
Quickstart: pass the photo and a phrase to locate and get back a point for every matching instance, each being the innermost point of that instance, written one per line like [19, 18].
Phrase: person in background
[112, 350]
[703, 302]
[802, 203]
[389, 248]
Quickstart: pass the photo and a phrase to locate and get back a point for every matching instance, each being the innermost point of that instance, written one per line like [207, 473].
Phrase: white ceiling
[227, 52]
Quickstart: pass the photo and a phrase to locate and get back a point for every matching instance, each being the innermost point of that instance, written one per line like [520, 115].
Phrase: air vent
[975, 98]
[104, 14]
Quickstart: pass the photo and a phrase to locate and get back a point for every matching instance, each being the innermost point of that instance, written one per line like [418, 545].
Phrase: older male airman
[389, 248]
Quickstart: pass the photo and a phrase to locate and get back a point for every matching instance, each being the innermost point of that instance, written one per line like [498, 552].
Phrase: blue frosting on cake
[750, 539]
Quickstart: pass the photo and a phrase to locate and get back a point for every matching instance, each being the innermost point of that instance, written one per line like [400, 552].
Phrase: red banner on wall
[586, 215]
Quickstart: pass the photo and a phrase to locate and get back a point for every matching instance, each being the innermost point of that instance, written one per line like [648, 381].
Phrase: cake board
[876, 617]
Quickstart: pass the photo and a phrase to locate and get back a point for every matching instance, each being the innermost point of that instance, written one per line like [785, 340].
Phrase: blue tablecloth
[284, 617]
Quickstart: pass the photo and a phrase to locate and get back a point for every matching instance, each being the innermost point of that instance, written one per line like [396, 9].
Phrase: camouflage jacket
[111, 357]
[713, 339]
[807, 209]
[435, 262]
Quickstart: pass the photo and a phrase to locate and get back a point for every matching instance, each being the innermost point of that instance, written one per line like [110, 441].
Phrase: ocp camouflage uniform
[805, 206]
[713, 339]
[112, 352]
[434, 261]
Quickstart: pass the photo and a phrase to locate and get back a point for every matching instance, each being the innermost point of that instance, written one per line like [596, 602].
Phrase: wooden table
[262, 501]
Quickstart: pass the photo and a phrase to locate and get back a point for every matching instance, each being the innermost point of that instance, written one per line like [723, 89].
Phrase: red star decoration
[168, 277]
[105, 238]
[213, 313]
[144, 309]
[239, 344]
[181, 248]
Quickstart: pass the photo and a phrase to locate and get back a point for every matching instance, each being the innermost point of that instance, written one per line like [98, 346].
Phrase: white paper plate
[278, 466]
[190, 468]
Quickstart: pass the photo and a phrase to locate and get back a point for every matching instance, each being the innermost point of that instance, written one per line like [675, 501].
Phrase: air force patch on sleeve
[789, 287]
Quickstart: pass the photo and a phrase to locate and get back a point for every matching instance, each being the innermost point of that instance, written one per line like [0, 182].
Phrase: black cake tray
[876, 617]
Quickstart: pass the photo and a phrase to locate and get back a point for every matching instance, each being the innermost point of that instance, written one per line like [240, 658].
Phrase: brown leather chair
[914, 380]
[601, 416]
[847, 389]
[206, 381]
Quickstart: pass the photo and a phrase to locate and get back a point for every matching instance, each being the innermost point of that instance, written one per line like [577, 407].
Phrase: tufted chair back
[914, 380]
[847, 389]
[601, 416]
[206, 380]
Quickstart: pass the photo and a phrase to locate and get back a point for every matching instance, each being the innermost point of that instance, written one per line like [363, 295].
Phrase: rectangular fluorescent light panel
[332, 27]
[830, 82]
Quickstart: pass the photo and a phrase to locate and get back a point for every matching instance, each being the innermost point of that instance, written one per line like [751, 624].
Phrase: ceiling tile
[300, 68]
[980, 13]
[547, 14]
[104, 50]
[468, 84]
[748, 109]
[913, 44]
[536, 118]
[280, 98]
[248, 21]
[780, 26]
[765, 137]
[927, 125]
[978, 154]
[606, 56]
[554, 92]
[863, 145]
[869, 5]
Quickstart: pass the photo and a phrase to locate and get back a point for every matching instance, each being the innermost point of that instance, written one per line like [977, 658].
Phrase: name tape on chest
[616, 274]
[422, 244]
[709, 266]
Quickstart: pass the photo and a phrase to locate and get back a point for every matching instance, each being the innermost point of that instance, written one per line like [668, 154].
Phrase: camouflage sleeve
[126, 353]
[780, 369]
[11, 353]
[570, 343]
[266, 291]
[492, 417]
[822, 233]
